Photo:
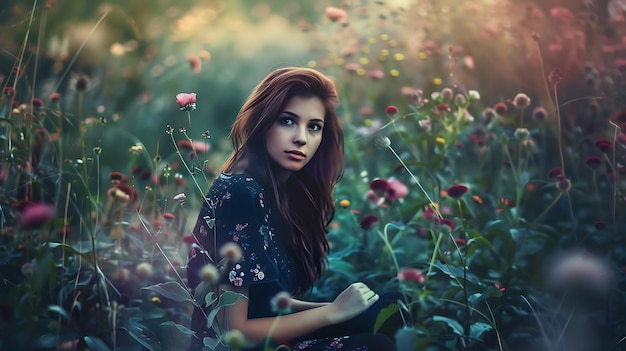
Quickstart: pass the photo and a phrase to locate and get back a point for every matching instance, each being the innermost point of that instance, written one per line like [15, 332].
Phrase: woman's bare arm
[300, 305]
[352, 301]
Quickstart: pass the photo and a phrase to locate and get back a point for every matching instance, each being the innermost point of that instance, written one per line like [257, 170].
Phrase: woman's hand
[351, 302]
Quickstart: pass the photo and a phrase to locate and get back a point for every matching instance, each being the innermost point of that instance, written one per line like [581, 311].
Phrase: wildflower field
[485, 155]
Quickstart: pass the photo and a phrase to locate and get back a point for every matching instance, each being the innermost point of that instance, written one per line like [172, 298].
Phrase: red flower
[604, 145]
[553, 173]
[447, 222]
[457, 190]
[460, 241]
[379, 185]
[391, 110]
[368, 222]
[186, 101]
[411, 274]
[501, 108]
[593, 162]
[54, 97]
[197, 146]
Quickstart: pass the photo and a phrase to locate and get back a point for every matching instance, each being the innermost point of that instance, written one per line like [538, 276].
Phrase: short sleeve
[241, 217]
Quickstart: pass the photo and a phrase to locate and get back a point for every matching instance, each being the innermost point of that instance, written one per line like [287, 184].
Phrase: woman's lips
[295, 155]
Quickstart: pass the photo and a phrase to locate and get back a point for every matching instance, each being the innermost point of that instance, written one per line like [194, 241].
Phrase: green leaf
[455, 272]
[454, 325]
[96, 344]
[58, 309]
[384, 314]
[211, 343]
[137, 333]
[179, 327]
[173, 291]
[478, 328]
[226, 299]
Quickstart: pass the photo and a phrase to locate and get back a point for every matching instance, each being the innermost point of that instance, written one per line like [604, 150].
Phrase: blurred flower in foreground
[234, 339]
[209, 274]
[231, 251]
[281, 303]
[335, 14]
[36, 215]
[579, 270]
[186, 101]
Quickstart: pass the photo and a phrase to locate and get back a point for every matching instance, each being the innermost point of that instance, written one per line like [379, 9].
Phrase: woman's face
[297, 133]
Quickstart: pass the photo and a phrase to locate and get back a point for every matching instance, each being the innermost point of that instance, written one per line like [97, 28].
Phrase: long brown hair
[305, 201]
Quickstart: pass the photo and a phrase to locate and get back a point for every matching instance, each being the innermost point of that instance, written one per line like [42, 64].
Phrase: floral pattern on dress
[237, 210]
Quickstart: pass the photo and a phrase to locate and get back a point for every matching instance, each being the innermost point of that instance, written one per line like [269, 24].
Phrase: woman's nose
[300, 136]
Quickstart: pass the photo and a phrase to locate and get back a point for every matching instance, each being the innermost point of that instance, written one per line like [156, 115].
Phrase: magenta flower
[457, 190]
[593, 161]
[604, 145]
[411, 274]
[36, 215]
[186, 101]
[553, 173]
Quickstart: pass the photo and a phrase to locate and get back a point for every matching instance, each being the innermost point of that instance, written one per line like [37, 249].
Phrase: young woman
[273, 198]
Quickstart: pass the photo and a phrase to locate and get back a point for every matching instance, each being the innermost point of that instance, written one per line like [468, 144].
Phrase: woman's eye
[287, 121]
[315, 127]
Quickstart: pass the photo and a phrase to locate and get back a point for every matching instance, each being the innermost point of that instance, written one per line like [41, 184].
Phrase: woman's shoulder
[235, 184]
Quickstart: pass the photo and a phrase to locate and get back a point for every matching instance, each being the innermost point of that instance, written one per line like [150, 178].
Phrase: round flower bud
[209, 274]
[521, 101]
[563, 183]
[231, 251]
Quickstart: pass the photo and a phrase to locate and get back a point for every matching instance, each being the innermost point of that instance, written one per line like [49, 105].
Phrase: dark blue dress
[237, 209]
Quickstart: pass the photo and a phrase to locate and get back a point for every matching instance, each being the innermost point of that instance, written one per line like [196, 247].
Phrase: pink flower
[186, 101]
[376, 74]
[411, 274]
[561, 14]
[395, 190]
[36, 215]
[335, 14]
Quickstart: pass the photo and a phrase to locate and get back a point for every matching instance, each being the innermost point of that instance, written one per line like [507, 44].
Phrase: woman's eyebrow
[291, 114]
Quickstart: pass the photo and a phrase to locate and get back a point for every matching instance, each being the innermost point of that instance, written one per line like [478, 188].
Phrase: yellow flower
[344, 203]
[364, 60]
[437, 81]
[440, 140]
[394, 73]
[155, 300]
[398, 57]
